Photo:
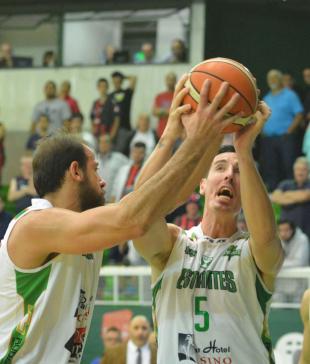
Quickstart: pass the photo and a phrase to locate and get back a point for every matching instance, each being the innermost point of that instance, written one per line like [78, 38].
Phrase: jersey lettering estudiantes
[210, 305]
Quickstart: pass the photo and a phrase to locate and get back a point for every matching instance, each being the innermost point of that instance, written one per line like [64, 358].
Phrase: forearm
[296, 121]
[255, 202]
[159, 157]
[290, 197]
[155, 197]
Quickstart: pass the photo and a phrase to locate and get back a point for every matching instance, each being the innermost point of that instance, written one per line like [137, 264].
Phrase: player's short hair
[226, 149]
[52, 159]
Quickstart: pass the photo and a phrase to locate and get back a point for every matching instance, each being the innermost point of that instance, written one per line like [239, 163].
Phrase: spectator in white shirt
[137, 350]
[144, 134]
[109, 163]
[296, 247]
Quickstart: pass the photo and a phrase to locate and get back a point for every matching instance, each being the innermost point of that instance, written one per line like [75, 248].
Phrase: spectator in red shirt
[192, 217]
[65, 89]
[162, 103]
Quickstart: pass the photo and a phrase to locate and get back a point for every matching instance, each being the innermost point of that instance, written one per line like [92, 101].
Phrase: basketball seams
[229, 61]
[234, 88]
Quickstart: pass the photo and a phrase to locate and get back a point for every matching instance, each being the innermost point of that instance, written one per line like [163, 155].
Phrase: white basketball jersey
[210, 304]
[45, 312]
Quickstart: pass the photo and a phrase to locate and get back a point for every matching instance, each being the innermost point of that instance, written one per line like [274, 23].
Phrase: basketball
[240, 80]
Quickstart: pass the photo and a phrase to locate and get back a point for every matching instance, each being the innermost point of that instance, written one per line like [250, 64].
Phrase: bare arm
[295, 123]
[157, 244]
[304, 312]
[163, 151]
[290, 197]
[264, 242]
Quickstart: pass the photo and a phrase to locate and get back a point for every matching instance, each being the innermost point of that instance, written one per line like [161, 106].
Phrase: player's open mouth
[226, 192]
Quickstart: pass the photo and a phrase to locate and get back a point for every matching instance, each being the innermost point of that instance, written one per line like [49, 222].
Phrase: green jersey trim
[29, 286]
[263, 298]
[155, 290]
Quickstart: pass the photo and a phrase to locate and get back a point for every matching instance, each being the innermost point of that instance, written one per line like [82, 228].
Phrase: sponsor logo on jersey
[76, 342]
[212, 353]
[191, 252]
[232, 251]
[205, 261]
[220, 280]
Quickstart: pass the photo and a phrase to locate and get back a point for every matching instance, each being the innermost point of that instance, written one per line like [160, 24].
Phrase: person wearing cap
[122, 98]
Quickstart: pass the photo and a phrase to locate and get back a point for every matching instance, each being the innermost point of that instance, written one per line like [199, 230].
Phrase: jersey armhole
[176, 244]
[256, 270]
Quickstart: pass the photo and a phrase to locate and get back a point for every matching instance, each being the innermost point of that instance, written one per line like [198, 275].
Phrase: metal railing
[120, 285]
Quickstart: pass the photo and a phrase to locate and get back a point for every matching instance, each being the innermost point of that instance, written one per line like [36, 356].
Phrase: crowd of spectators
[122, 149]
[111, 55]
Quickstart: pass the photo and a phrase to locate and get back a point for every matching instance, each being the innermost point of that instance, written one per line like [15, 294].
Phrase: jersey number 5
[201, 313]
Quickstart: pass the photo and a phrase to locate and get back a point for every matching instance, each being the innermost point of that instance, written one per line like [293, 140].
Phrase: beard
[89, 198]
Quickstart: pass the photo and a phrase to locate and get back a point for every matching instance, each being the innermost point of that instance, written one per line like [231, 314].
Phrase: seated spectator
[296, 247]
[192, 217]
[5, 219]
[2, 149]
[178, 52]
[21, 189]
[108, 54]
[110, 163]
[7, 60]
[127, 174]
[279, 147]
[104, 112]
[111, 337]
[76, 129]
[41, 132]
[146, 55]
[137, 349]
[57, 111]
[64, 94]
[162, 103]
[6, 56]
[143, 134]
[49, 59]
[294, 196]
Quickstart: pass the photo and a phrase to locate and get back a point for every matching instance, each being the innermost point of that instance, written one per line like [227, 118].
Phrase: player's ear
[75, 171]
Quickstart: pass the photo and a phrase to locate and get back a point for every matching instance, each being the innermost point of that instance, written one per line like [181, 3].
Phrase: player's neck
[216, 226]
[64, 199]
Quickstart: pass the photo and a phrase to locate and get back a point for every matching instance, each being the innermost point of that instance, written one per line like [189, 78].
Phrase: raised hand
[210, 119]
[174, 127]
[245, 138]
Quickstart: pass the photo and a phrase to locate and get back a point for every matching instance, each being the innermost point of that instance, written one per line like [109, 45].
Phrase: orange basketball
[240, 79]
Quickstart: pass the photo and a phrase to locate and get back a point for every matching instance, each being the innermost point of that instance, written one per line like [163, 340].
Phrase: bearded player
[214, 282]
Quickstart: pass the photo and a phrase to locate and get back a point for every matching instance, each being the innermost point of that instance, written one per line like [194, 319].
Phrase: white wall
[84, 42]
[21, 89]
[168, 29]
[32, 43]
